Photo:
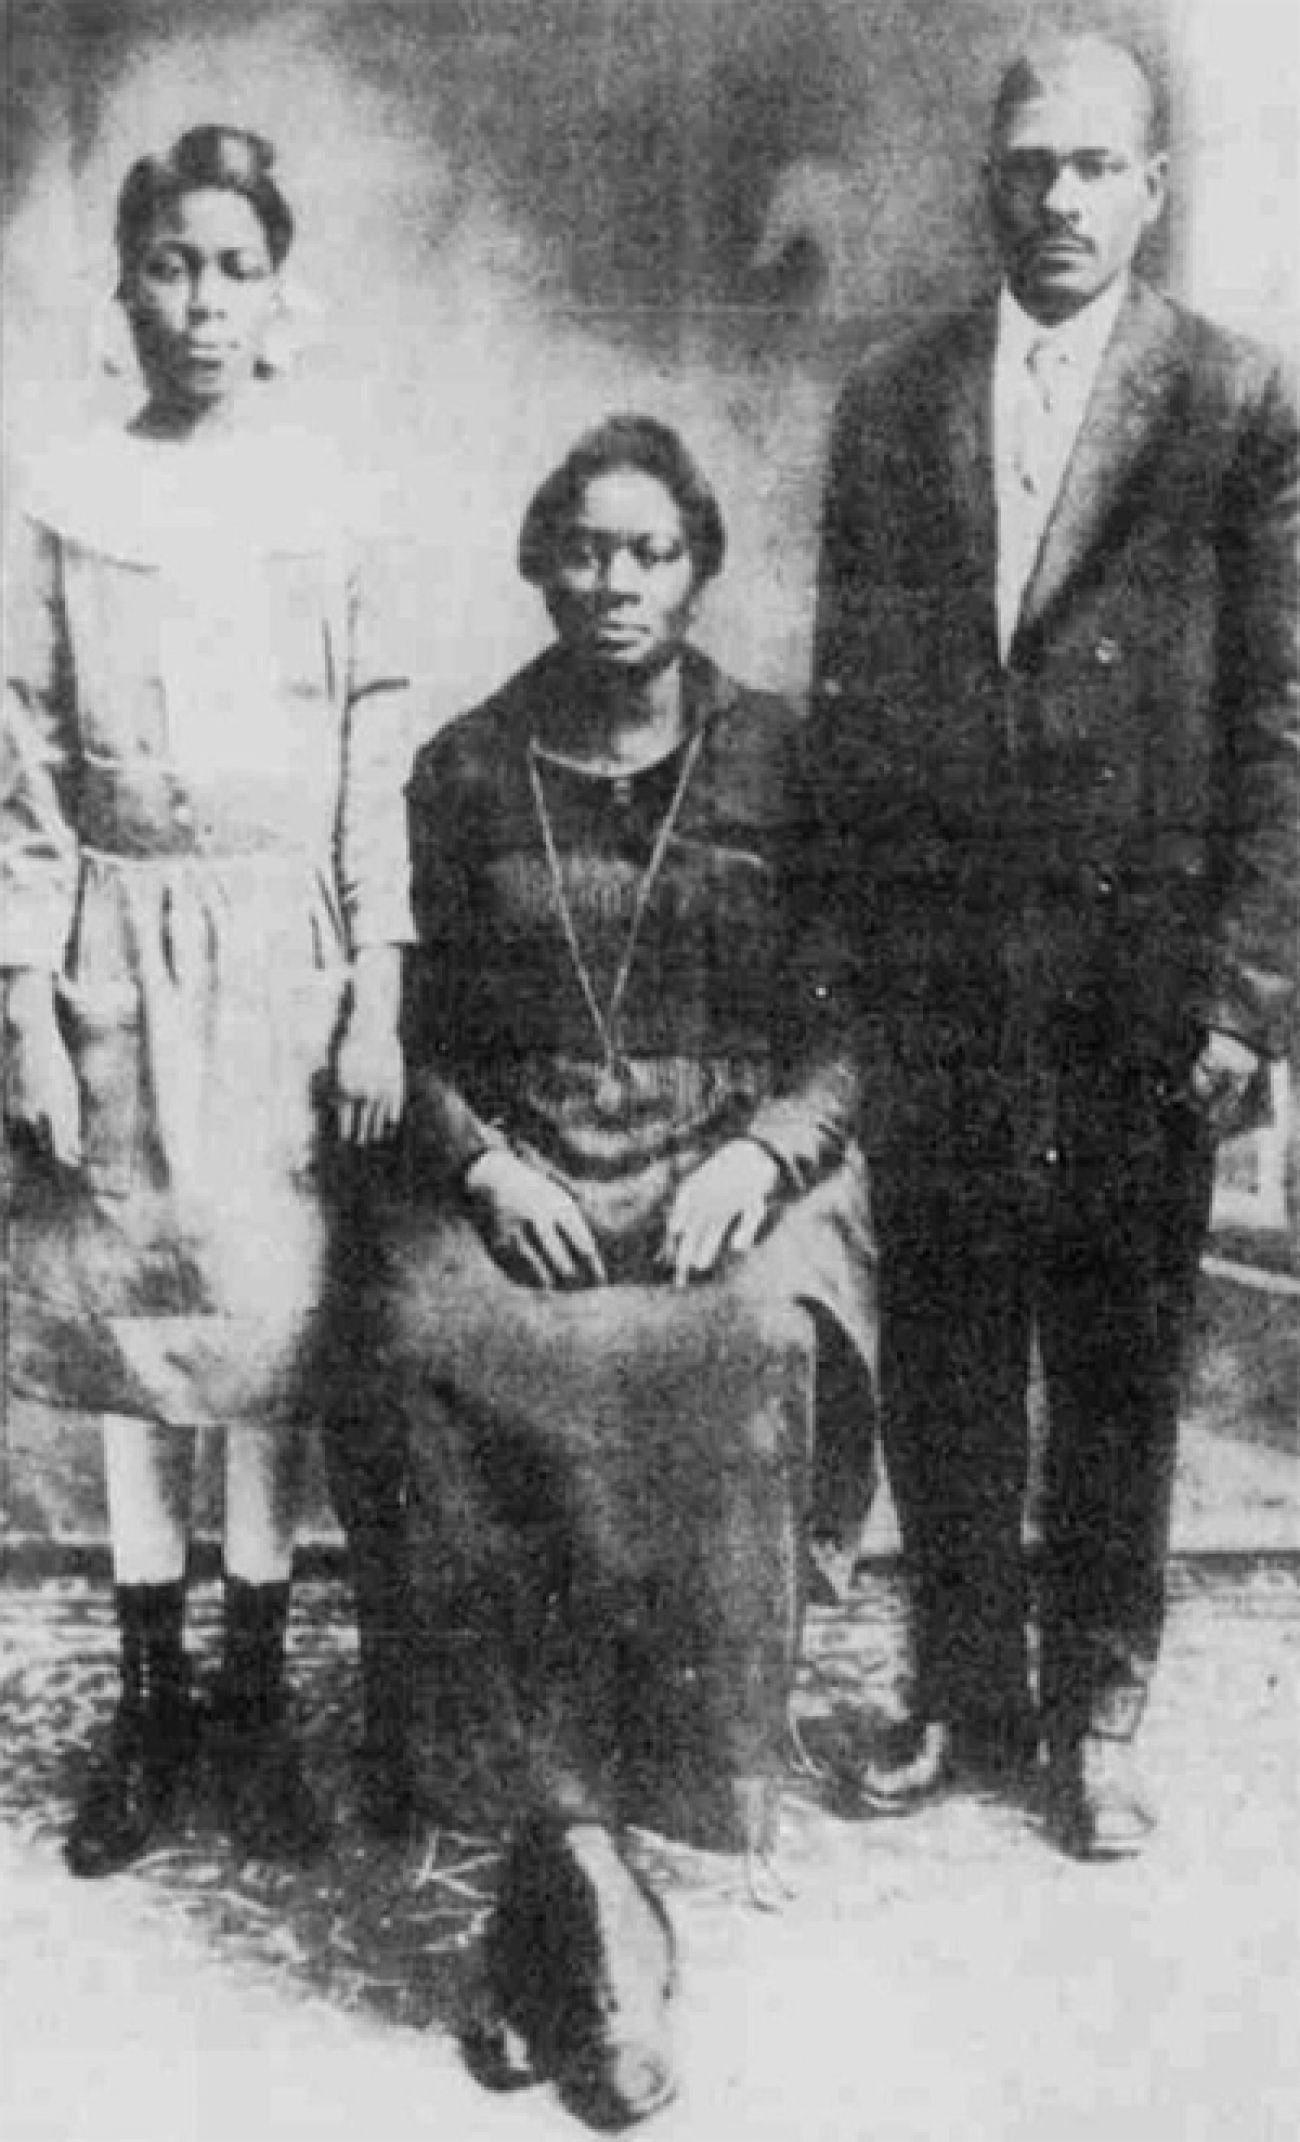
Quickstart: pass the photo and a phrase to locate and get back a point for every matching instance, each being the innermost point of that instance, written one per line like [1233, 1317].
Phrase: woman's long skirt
[609, 1499]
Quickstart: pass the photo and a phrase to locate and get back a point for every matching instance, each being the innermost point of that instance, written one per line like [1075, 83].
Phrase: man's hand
[720, 1209]
[42, 1098]
[532, 1227]
[1222, 1076]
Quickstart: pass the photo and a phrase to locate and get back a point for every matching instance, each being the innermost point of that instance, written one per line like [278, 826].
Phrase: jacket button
[183, 816]
[1106, 653]
[1107, 776]
[831, 688]
[1103, 884]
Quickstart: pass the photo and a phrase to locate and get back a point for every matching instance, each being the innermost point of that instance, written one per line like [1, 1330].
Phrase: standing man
[1056, 701]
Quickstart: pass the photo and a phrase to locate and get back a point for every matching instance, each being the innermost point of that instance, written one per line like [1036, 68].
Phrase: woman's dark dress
[609, 1485]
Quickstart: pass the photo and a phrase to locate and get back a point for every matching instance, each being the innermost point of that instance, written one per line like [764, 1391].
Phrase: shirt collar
[1080, 339]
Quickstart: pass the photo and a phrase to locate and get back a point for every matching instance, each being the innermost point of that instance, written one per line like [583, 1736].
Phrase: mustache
[1060, 235]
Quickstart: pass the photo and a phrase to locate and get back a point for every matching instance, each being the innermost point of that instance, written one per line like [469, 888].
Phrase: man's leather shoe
[1096, 1807]
[994, 1755]
[919, 1772]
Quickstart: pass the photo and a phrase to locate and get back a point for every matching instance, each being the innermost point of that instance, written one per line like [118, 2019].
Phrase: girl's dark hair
[225, 157]
[623, 442]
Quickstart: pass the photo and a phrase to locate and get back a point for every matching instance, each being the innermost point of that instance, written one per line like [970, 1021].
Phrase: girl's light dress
[201, 819]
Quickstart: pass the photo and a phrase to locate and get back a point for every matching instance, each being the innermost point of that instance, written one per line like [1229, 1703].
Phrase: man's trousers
[1088, 1243]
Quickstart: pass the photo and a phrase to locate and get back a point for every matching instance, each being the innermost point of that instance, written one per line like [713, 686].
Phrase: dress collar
[708, 692]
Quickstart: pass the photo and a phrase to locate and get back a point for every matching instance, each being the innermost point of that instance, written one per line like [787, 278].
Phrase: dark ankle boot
[131, 1790]
[266, 1801]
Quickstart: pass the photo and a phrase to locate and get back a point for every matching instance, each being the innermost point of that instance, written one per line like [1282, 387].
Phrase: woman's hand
[532, 1227]
[720, 1209]
[369, 1073]
[42, 1097]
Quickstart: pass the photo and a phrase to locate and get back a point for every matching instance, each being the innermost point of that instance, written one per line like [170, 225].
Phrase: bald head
[1094, 67]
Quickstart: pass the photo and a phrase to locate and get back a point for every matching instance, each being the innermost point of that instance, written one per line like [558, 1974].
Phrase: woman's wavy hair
[622, 442]
[226, 158]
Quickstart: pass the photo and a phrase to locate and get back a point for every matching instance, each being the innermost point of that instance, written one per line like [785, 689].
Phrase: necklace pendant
[613, 1089]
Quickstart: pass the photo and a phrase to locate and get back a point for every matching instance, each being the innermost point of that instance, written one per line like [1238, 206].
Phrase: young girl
[205, 893]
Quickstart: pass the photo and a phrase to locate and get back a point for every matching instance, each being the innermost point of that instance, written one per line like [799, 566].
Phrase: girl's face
[199, 295]
[622, 590]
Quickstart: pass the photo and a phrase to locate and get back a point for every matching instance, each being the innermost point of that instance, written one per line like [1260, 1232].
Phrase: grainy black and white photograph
[649, 918]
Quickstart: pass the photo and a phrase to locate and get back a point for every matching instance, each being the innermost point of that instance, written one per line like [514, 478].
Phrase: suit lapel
[967, 420]
[1128, 397]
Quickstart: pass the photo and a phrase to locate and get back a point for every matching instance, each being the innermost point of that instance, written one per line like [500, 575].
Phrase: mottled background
[517, 214]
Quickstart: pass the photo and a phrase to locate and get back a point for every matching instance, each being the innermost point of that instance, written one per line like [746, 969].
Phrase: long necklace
[615, 1072]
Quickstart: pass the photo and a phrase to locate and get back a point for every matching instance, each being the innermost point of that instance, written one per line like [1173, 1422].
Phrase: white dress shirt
[1042, 380]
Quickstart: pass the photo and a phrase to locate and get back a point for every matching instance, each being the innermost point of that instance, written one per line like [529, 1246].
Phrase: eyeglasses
[1037, 170]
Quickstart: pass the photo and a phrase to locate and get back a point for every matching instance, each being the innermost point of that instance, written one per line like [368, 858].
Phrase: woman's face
[622, 592]
[199, 296]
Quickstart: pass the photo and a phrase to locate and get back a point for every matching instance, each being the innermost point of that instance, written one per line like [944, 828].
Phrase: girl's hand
[369, 1081]
[369, 1072]
[42, 1096]
[532, 1227]
[720, 1209]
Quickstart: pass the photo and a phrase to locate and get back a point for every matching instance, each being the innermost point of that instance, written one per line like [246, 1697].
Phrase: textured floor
[942, 1979]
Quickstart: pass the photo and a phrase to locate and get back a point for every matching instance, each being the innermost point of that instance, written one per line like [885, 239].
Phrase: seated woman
[633, 1248]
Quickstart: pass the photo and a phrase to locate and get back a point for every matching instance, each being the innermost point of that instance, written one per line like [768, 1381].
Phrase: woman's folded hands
[538, 1233]
[533, 1228]
[720, 1209]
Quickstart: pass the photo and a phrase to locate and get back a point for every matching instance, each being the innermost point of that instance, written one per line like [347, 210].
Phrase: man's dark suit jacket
[1094, 845]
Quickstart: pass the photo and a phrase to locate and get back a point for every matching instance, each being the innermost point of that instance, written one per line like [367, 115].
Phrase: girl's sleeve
[38, 846]
[378, 744]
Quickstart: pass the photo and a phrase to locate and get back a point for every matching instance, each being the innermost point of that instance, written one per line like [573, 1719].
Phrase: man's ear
[1156, 176]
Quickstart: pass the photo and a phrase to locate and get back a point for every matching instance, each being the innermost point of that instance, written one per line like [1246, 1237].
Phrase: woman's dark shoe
[495, 2054]
[131, 1791]
[266, 1802]
[580, 1968]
